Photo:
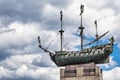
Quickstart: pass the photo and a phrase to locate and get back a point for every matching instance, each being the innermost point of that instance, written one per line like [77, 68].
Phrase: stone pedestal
[87, 71]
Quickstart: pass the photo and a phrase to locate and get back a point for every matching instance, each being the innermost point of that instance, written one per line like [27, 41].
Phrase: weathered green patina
[97, 54]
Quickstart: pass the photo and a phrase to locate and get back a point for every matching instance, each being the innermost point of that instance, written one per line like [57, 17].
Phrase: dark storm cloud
[20, 10]
[25, 10]
[20, 78]
[60, 3]
[6, 31]
[6, 52]
[28, 78]
[4, 55]
[45, 61]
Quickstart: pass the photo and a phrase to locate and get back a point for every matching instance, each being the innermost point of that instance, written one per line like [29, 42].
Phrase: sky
[22, 21]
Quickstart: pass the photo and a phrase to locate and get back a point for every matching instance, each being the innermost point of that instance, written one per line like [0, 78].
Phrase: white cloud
[112, 74]
[22, 43]
[15, 61]
[23, 34]
[4, 73]
[22, 66]
[35, 74]
[48, 73]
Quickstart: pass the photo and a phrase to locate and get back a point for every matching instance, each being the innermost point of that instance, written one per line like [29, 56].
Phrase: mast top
[96, 31]
[96, 23]
[81, 25]
[61, 31]
[61, 15]
[81, 9]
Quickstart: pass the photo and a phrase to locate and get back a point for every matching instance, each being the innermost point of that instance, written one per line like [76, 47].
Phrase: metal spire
[81, 25]
[61, 31]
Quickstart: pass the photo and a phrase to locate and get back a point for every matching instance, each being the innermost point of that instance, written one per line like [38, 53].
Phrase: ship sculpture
[98, 54]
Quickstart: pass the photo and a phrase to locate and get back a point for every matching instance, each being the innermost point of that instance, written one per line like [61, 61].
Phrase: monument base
[87, 71]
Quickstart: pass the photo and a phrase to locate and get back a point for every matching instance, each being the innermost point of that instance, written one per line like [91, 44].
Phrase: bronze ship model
[98, 54]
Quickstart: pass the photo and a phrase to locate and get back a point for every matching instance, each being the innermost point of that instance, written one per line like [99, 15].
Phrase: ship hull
[97, 55]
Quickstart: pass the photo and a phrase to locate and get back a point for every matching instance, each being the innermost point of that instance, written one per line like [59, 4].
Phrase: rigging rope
[52, 40]
[46, 39]
[65, 44]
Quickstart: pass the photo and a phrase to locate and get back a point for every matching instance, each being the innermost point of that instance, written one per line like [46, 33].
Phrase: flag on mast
[81, 9]
[61, 15]
[96, 23]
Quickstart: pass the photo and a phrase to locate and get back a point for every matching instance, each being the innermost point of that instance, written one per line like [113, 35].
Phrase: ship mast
[61, 31]
[81, 25]
[96, 32]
